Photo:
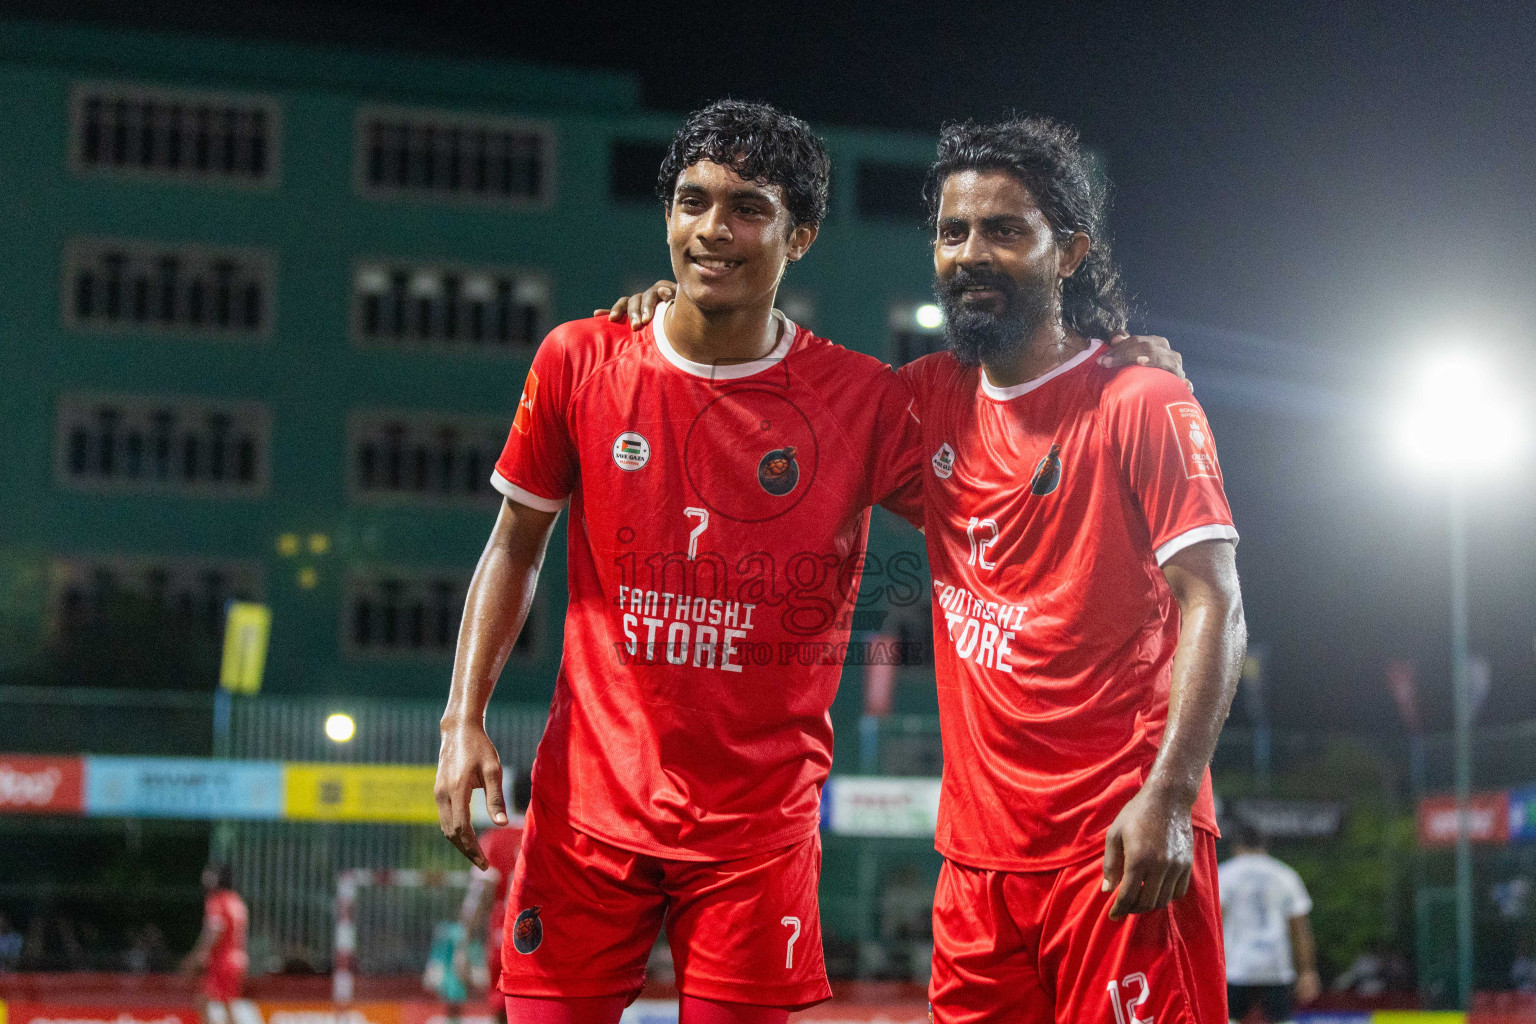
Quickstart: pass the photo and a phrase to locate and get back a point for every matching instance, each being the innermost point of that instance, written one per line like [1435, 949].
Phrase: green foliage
[1360, 879]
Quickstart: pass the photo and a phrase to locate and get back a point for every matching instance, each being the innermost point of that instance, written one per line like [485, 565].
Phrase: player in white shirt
[1269, 945]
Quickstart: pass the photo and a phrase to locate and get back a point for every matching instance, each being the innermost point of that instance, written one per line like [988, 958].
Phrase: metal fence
[287, 870]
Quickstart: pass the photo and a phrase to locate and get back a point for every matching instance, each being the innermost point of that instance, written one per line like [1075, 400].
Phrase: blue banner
[170, 787]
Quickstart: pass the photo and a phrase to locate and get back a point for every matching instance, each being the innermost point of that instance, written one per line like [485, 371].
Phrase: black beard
[976, 336]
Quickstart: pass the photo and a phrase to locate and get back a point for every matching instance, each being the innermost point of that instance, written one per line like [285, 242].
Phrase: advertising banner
[169, 787]
[68, 1013]
[247, 627]
[41, 785]
[1291, 819]
[1488, 819]
[857, 805]
[245, 1011]
[360, 792]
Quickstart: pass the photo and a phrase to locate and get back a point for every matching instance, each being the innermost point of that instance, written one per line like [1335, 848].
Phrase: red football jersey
[1049, 508]
[718, 518]
[224, 912]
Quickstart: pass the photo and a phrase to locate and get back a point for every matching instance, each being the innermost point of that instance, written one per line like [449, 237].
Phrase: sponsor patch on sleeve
[524, 419]
[1196, 447]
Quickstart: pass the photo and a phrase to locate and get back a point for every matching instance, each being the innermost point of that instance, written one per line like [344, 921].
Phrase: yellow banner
[247, 627]
[360, 792]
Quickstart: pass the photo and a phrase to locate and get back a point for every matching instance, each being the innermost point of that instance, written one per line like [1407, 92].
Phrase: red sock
[694, 1010]
[585, 1010]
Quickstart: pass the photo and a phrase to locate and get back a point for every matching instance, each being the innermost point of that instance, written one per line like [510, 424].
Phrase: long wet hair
[1047, 157]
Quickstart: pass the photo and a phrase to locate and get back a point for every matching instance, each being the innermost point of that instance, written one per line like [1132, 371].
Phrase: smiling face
[997, 264]
[731, 239]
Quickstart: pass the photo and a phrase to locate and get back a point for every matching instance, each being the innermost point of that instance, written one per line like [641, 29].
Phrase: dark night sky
[1303, 196]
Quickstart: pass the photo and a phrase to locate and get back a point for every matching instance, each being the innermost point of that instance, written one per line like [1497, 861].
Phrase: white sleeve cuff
[1216, 531]
[522, 497]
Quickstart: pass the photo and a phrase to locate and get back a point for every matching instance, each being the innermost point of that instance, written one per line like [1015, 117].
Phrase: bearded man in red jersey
[1088, 622]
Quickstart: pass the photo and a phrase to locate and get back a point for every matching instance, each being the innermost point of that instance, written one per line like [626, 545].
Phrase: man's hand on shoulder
[1149, 853]
[641, 306]
[1150, 350]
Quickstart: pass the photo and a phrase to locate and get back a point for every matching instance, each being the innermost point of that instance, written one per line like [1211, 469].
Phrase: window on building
[633, 166]
[194, 591]
[436, 154]
[162, 444]
[464, 308]
[917, 328]
[412, 613]
[194, 136]
[423, 458]
[890, 190]
[176, 289]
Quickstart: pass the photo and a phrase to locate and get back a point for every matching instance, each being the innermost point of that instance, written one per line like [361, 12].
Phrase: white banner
[858, 805]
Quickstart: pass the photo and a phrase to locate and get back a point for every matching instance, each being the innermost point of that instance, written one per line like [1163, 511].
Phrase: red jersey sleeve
[1168, 455]
[898, 463]
[538, 467]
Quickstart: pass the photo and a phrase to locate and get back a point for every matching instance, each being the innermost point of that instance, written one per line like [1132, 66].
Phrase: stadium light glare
[1457, 417]
[1459, 423]
[340, 728]
[928, 316]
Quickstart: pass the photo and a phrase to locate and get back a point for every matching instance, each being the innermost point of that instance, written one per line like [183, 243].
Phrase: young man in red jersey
[714, 521]
[220, 949]
[1086, 608]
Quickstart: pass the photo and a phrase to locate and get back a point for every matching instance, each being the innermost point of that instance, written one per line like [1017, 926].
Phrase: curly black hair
[760, 144]
[1047, 157]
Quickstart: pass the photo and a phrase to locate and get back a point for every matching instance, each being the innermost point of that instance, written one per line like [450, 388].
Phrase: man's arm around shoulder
[494, 613]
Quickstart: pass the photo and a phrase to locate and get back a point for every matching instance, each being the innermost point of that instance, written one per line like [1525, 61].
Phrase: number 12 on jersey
[982, 534]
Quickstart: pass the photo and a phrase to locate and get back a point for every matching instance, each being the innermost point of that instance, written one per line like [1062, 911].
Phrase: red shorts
[582, 916]
[223, 981]
[1039, 946]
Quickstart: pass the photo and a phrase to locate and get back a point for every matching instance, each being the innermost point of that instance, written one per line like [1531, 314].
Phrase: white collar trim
[1004, 394]
[726, 371]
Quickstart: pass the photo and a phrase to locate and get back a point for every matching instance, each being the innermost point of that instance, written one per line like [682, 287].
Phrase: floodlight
[340, 728]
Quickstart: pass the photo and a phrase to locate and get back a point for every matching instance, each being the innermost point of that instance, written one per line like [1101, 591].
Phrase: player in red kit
[715, 522]
[1087, 616]
[220, 950]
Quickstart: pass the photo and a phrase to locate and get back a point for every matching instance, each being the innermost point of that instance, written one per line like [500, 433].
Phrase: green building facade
[267, 311]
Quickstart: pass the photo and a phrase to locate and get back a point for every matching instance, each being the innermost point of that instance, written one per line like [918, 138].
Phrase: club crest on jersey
[631, 451]
[1047, 472]
[527, 931]
[944, 461]
[778, 472]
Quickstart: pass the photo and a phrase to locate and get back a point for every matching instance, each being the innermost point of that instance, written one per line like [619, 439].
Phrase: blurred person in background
[220, 953]
[147, 952]
[1522, 973]
[10, 945]
[485, 904]
[1271, 955]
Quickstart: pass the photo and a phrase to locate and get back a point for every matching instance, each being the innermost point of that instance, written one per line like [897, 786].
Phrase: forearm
[1212, 640]
[495, 611]
[476, 905]
[1303, 947]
